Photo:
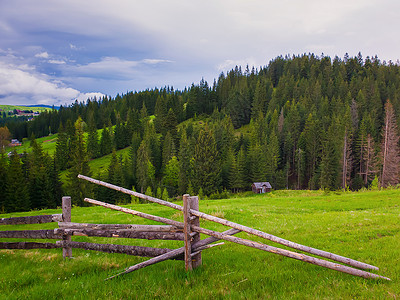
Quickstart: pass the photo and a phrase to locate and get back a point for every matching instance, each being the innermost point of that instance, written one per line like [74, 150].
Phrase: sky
[54, 52]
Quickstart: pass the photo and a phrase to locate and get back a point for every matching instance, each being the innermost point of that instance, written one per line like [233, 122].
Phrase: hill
[39, 108]
[359, 225]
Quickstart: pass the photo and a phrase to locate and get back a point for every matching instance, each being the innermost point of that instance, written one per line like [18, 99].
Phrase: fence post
[66, 215]
[195, 221]
[186, 232]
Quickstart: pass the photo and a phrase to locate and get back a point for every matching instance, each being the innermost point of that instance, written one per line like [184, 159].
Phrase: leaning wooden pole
[173, 253]
[247, 229]
[287, 253]
[135, 213]
[260, 246]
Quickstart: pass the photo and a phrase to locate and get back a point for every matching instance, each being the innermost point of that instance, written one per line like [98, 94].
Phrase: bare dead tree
[390, 149]
[346, 160]
[368, 159]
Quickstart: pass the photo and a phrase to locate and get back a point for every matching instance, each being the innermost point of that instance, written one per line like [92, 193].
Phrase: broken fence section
[191, 214]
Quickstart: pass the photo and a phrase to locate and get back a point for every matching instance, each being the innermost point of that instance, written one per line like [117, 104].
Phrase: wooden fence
[189, 231]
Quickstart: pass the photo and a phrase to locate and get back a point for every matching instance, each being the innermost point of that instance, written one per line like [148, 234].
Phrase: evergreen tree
[185, 155]
[272, 159]
[171, 177]
[77, 188]
[62, 154]
[206, 163]
[3, 181]
[93, 147]
[106, 145]
[17, 194]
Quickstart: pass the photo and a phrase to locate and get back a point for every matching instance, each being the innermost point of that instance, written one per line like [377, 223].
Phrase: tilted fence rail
[189, 231]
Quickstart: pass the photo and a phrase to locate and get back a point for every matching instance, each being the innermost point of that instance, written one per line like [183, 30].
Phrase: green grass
[360, 225]
[7, 108]
[48, 145]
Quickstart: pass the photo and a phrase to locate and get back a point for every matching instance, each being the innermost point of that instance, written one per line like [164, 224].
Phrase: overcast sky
[53, 52]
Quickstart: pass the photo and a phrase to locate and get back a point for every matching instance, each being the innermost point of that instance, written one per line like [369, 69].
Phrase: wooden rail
[188, 227]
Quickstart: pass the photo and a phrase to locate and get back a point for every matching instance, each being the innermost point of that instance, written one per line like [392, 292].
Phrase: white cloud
[20, 85]
[42, 55]
[56, 61]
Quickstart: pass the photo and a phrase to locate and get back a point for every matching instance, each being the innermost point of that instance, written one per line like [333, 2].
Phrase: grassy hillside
[48, 144]
[360, 225]
[6, 108]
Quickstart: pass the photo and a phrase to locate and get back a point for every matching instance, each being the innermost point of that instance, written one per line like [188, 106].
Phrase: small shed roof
[259, 185]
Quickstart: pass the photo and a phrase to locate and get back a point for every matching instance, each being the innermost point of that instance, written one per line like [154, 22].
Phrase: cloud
[112, 68]
[22, 85]
[42, 55]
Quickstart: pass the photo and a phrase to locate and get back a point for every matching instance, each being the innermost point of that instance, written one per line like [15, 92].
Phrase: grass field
[361, 225]
[6, 108]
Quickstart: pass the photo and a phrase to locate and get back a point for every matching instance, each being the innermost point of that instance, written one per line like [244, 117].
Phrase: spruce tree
[207, 172]
[17, 193]
[106, 145]
[77, 188]
[3, 181]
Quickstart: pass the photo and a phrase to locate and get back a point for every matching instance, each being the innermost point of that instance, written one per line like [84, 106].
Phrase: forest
[300, 122]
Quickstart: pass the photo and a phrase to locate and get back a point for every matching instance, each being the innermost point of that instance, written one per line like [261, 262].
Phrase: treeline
[299, 122]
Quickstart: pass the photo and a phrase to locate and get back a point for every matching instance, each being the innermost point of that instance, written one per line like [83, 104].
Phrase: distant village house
[15, 143]
[261, 187]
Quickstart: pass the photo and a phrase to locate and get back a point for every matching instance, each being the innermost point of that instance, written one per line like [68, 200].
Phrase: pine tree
[93, 147]
[77, 188]
[206, 163]
[16, 191]
[184, 157]
[168, 150]
[63, 150]
[171, 177]
[272, 158]
[106, 145]
[3, 181]
[390, 149]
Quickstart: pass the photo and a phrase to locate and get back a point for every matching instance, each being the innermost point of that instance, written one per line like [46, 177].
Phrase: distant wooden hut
[261, 187]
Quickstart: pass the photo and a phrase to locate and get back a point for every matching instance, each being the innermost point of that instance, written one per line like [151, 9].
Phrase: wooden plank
[31, 220]
[30, 234]
[186, 232]
[27, 245]
[250, 230]
[131, 227]
[112, 248]
[174, 253]
[123, 233]
[290, 254]
[66, 217]
[135, 213]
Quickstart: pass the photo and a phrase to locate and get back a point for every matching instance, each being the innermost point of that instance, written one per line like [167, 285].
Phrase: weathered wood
[135, 213]
[27, 245]
[123, 233]
[250, 230]
[66, 217]
[30, 234]
[112, 248]
[173, 253]
[287, 243]
[132, 193]
[131, 227]
[198, 250]
[287, 253]
[194, 220]
[186, 232]
[31, 220]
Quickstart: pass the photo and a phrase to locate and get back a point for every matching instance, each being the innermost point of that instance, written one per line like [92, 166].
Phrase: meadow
[361, 225]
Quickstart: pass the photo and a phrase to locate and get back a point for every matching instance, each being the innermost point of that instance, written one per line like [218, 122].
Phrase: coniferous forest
[300, 122]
